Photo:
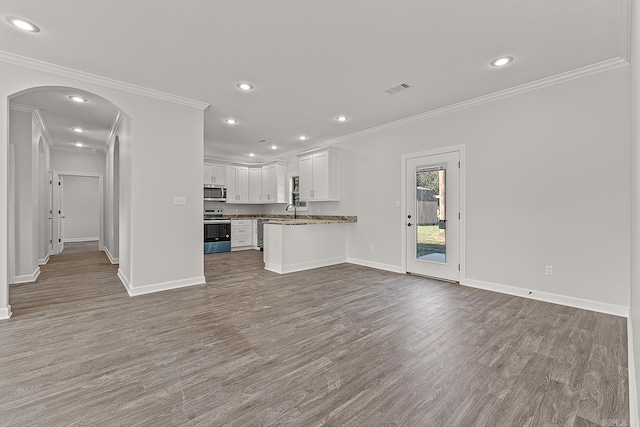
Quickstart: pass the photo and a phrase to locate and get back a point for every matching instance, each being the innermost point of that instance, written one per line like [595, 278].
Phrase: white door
[433, 216]
[50, 204]
[60, 214]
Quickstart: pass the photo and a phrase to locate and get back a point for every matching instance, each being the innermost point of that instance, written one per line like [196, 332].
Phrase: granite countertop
[301, 220]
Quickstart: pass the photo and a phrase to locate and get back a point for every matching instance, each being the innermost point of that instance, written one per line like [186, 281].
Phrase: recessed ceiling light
[244, 86]
[251, 154]
[79, 144]
[79, 130]
[303, 137]
[77, 98]
[274, 147]
[503, 60]
[23, 24]
[231, 121]
[342, 118]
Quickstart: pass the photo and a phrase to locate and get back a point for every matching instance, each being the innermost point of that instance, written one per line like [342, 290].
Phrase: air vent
[261, 141]
[396, 89]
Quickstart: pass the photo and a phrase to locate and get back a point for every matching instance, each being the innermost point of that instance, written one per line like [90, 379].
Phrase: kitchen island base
[289, 248]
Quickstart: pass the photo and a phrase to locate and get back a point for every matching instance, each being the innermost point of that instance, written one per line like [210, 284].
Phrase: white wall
[634, 323]
[164, 159]
[547, 182]
[81, 161]
[81, 199]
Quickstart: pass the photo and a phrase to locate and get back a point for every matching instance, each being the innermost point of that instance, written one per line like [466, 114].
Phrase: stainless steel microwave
[215, 193]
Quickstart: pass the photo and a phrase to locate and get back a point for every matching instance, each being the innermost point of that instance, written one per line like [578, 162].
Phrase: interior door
[50, 204]
[433, 216]
[61, 216]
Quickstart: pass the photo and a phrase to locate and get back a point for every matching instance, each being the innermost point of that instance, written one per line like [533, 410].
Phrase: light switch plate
[179, 200]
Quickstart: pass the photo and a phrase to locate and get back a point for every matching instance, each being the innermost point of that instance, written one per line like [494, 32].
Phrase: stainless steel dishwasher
[261, 233]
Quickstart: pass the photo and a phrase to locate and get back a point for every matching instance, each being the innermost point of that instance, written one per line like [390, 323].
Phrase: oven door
[217, 236]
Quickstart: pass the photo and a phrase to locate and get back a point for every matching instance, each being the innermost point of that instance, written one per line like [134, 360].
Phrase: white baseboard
[378, 265]
[80, 239]
[585, 304]
[633, 387]
[27, 278]
[112, 260]
[158, 287]
[291, 268]
[44, 260]
[5, 312]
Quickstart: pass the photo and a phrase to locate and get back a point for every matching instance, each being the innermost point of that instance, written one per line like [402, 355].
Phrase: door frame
[56, 178]
[403, 202]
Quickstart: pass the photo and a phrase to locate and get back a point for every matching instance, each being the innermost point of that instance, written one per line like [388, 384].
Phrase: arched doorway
[52, 135]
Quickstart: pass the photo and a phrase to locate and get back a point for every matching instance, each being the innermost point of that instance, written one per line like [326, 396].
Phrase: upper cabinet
[319, 175]
[274, 183]
[255, 185]
[214, 173]
[237, 184]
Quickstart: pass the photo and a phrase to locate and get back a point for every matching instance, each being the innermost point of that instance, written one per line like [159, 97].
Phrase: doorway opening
[58, 143]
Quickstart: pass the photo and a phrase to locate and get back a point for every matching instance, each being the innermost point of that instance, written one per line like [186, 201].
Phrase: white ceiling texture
[311, 61]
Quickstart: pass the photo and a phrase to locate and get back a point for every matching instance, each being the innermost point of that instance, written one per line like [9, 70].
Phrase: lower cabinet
[241, 234]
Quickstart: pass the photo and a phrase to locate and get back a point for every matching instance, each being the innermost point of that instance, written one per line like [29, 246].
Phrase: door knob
[409, 216]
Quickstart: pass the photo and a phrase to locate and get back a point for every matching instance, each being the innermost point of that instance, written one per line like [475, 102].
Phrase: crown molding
[35, 111]
[43, 126]
[114, 127]
[98, 152]
[92, 78]
[516, 90]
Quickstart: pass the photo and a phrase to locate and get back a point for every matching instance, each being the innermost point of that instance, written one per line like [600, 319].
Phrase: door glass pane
[431, 232]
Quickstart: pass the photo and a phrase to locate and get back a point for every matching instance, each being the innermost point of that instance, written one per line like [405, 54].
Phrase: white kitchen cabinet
[274, 183]
[214, 173]
[237, 184]
[255, 185]
[319, 176]
[241, 235]
[254, 228]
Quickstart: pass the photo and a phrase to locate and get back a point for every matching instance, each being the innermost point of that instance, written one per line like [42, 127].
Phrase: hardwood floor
[337, 346]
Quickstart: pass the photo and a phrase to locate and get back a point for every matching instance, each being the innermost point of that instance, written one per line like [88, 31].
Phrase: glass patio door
[432, 223]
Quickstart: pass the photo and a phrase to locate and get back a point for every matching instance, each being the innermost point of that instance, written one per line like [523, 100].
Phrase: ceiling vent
[261, 141]
[396, 89]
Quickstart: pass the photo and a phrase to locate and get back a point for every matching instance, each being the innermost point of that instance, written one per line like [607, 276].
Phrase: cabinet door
[255, 185]
[320, 176]
[219, 174]
[242, 184]
[232, 188]
[207, 173]
[268, 184]
[306, 177]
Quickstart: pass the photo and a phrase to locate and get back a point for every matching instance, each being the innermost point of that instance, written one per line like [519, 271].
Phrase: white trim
[625, 28]
[377, 265]
[633, 387]
[84, 150]
[461, 150]
[80, 239]
[516, 90]
[5, 313]
[158, 287]
[27, 278]
[114, 127]
[112, 260]
[34, 64]
[291, 268]
[44, 260]
[585, 304]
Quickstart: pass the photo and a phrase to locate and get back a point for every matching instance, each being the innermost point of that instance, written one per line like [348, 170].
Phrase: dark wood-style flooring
[337, 346]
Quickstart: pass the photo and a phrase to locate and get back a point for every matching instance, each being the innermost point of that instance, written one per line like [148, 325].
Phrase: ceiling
[310, 61]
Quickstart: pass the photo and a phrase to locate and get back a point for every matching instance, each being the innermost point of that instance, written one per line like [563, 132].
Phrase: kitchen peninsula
[305, 243]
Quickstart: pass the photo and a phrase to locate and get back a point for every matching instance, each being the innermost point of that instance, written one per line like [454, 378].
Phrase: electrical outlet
[548, 270]
[179, 200]
[371, 247]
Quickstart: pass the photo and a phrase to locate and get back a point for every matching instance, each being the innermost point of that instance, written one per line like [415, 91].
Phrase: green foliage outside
[430, 240]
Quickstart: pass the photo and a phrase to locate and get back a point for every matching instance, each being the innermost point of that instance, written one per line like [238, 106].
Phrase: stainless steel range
[217, 232]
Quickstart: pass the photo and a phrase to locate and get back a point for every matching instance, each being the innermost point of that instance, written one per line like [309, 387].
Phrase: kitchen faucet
[295, 210]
